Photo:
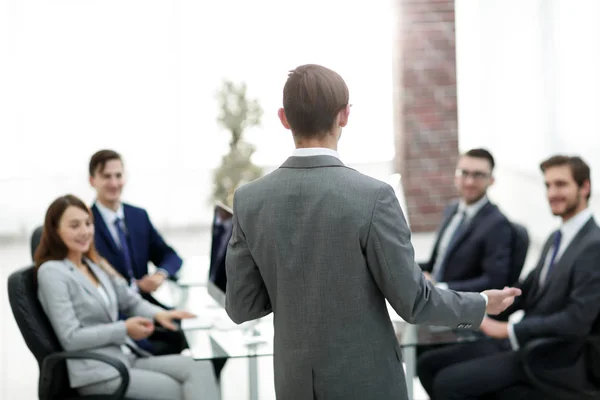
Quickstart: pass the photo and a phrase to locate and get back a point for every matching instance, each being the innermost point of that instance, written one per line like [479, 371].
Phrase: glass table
[252, 340]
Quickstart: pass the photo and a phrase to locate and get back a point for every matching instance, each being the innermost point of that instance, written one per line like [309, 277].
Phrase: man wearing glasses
[472, 251]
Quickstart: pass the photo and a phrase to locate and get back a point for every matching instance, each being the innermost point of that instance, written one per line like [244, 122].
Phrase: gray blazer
[323, 247]
[82, 321]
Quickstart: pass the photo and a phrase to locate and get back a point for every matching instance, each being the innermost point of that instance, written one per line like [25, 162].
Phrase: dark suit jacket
[569, 301]
[145, 243]
[565, 306]
[480, 258]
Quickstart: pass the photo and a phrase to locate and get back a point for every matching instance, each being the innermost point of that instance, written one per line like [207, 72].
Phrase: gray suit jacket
[82, 321]
[323, 246]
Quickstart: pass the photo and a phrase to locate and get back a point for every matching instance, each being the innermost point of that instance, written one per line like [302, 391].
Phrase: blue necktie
[144, 344]
[125, 248]
[556, 245]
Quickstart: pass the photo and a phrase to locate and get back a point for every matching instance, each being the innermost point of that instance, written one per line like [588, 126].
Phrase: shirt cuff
[163, 272]
[485, 298]
[442, 285]
[514, 343]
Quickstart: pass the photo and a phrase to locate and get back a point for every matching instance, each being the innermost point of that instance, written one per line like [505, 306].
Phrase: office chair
[519, 247]
[36, 236]
[41, 340]
[535, 371]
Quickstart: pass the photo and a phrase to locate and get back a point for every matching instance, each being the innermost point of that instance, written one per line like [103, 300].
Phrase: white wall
[140, 76]
[528, 87]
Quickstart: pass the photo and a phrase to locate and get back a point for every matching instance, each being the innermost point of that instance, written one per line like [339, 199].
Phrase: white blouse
[104, 296]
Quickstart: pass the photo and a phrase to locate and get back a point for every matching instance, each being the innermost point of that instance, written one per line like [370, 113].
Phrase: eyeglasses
[476, 175]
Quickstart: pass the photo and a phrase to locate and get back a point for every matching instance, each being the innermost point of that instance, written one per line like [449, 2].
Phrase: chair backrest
[35, 326]
[36, 236]
[592, 354]
[519, 247]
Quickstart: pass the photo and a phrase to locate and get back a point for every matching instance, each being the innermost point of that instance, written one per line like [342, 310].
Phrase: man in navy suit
[472, 251]
[126, 238]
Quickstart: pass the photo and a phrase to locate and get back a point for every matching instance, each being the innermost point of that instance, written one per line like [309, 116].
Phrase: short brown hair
[482, 153]
[100, 158]
[312, 97]
[579, 168]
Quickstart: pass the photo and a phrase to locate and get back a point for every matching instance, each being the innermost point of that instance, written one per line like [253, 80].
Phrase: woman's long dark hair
[51, 246]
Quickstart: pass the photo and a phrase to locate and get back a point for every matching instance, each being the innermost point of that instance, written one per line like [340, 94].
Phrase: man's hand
[149, 284]
[139, 328]
[165, 318]
[500, 300]
[429, 277]
[494, 329]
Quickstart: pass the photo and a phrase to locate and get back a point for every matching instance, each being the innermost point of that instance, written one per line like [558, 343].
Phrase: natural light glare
[141, 77]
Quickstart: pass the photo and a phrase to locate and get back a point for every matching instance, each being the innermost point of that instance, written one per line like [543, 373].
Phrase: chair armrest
[52, 360]
[542, 346]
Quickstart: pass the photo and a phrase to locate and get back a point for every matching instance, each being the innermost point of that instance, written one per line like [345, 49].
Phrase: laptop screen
[221, 233]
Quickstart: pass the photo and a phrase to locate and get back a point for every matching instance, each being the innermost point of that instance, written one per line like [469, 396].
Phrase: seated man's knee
[428, 362]
[423, 365]
[449, 384]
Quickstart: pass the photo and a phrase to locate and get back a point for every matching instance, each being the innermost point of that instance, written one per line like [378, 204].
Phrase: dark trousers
[483, 370]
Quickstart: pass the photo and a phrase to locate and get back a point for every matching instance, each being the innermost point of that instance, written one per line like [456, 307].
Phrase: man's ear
[343, 116]
[283, 118]
[586, 187]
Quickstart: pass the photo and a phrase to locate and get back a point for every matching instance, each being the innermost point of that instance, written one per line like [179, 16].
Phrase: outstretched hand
[165, 318]
[500, 300]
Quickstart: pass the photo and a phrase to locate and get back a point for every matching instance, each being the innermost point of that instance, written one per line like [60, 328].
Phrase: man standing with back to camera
[323, 246]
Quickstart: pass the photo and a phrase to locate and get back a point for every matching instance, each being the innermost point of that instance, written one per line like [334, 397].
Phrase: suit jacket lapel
[101, 227]
[87, 284]
[447, 218]
[466, 231]
[566, 259]
[104, 280]
[535, 289]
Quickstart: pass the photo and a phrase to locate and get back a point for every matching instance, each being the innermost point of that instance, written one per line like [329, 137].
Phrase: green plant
[237, 114]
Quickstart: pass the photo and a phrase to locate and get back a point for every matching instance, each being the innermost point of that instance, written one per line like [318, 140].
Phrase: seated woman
[82, 296]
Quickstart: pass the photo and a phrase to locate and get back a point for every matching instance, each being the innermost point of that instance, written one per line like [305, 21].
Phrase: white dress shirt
[315, 151]
[568, 231]
[109, 216]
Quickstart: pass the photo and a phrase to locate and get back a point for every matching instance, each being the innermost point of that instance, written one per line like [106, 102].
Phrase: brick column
[426, 128]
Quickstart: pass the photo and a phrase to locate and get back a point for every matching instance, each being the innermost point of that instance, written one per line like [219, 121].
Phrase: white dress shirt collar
[109, 216]
[472, 209]
[315, 151]
[570, 228]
